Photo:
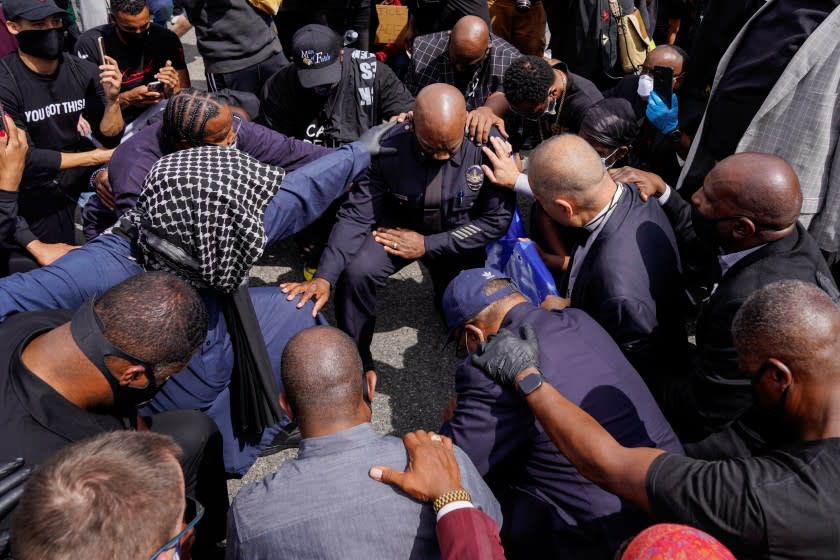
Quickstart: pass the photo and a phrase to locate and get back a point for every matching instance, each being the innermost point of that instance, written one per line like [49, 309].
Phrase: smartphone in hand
[156, 87]
[663, 83]
[101, 43]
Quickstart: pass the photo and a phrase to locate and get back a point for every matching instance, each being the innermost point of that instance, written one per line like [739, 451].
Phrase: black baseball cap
[316, 50]
[30, 10]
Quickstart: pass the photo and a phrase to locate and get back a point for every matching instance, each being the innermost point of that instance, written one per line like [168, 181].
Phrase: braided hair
[185, 118]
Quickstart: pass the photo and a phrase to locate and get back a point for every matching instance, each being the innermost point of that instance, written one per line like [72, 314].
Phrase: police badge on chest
[475, 177]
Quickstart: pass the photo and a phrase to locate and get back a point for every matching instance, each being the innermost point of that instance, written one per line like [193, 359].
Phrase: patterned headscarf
[200, 215]
[668, 541]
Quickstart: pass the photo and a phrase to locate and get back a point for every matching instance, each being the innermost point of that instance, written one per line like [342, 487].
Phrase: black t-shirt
[138, 66]
[783, 504]
[771, 41]
[48, 108]
[37, 421]
[581, 94]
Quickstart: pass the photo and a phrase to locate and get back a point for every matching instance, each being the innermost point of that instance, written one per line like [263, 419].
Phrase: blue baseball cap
[464, 298]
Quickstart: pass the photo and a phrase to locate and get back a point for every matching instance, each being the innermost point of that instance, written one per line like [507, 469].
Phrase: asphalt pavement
[415, 379]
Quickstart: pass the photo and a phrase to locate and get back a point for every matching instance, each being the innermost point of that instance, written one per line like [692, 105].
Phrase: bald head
[567, 167]
[322, 374]
[666, 55]
[762, 187]
[789, 320]
[440, 116]
[468, 42]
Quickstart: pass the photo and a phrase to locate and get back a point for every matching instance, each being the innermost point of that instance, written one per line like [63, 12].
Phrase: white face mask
[645, 85]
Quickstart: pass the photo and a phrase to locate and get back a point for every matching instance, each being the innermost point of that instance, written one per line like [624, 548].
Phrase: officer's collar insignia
[475, 177]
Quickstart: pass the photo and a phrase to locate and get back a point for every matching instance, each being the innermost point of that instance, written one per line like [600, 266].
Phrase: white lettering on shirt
[53, 109]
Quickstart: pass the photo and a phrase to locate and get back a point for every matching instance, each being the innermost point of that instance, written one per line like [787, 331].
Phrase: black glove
[12, 478]
[372, 139]
[504, 354]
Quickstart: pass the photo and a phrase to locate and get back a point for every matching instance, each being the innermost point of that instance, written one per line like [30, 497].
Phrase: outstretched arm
[509, 359]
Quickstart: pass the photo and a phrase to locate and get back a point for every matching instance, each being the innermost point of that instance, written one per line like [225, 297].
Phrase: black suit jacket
[630, 282]
[716, 393]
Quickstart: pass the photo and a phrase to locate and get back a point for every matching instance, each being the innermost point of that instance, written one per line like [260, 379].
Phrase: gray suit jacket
[800, 122]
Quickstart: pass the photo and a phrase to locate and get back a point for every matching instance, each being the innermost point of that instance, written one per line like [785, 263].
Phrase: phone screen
[663, 83]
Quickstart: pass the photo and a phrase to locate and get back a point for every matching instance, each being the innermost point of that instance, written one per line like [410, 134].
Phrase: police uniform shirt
[449, 202]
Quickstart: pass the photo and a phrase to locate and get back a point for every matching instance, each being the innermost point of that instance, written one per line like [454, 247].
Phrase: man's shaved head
[667, 55]
[322, 375]
[790, 320]
[470, 37]
[566, 167]
[762, 187]
[468, 42]
[440, 116]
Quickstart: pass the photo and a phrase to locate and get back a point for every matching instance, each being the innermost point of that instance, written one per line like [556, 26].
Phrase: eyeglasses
[194, 509]
[237, 124]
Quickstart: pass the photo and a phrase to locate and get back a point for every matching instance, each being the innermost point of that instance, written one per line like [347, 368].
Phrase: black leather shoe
[287, 438]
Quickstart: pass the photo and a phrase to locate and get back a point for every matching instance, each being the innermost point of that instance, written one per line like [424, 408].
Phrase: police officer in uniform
[427, 199]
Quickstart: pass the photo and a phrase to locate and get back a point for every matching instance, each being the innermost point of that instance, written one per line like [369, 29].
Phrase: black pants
[250, 79]
[56, 227]
[355, 295]
[204, 472]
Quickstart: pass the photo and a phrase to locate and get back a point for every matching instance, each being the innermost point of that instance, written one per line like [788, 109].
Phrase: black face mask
[324, 91]
[41, 43]
[134, 40]
[706, 228]
[87, 331]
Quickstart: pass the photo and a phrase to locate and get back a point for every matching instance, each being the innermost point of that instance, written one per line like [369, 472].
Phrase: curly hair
[527, 80]
[129, 7]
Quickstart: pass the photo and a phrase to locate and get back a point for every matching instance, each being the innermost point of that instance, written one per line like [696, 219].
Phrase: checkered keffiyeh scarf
[200, 215]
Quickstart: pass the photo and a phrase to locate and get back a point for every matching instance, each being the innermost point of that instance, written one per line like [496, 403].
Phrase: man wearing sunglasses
[116, 495]
[146, 52]
[740, 233]
[69, 375]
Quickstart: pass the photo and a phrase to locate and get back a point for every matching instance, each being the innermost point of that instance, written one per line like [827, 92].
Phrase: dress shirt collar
[605, 213]
[729, 260]
[351, 438]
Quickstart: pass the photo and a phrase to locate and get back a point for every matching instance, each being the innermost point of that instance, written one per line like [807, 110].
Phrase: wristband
[93, 175]
[449, 497]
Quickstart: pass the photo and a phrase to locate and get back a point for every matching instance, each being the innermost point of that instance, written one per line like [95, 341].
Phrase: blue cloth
[495, 427]
[324, 505]
[109, 259]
